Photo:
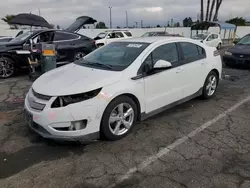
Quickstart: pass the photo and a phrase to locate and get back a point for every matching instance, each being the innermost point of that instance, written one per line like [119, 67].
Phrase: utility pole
[39, 12]
[110, 18]
[127, 19]
[141, 23]
[172, 22]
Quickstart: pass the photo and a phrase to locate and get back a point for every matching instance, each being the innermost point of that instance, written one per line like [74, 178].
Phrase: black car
[239, 54]
[70, 46]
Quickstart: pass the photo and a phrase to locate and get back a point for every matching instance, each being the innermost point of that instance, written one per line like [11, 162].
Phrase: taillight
[216, 53]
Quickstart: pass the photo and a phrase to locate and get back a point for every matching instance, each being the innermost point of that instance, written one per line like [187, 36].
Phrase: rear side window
[215, 36]
[192, 52]
[119, 34]
[59, 36]
[128, 34]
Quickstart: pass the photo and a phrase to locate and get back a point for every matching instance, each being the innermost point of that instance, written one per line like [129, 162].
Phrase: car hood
[6, 46]
[72, 79]
[240, 49]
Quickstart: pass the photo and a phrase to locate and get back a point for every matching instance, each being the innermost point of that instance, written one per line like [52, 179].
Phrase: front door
[163, 86]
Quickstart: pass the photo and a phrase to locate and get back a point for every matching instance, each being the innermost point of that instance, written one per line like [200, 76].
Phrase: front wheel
[7, 68]
[118, 118]
[210, 85]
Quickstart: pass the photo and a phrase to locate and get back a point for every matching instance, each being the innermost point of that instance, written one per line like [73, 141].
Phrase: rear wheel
[7, 68]
[118, 118]
[79, 55]
[210, 85]
[219, 46]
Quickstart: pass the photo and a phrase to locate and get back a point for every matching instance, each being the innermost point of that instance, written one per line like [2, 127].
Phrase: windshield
[22, 37]
[149, 34]
[114, 56]
[102, 35]
[200, 36]
[245, 40]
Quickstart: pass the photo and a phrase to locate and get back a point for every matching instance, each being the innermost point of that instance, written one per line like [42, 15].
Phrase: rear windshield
[114, 56]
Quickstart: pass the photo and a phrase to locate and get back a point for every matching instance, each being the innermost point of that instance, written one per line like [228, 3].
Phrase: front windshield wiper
[102, 65]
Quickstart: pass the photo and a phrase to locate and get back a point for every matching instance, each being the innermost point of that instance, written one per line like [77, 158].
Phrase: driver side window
[210, 38]
[167, 52]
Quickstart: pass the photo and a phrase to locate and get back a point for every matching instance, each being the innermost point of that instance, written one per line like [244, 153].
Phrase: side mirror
[108, 37]
[161, 64]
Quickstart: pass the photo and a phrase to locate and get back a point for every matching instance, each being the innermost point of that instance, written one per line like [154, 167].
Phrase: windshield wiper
[102, 65]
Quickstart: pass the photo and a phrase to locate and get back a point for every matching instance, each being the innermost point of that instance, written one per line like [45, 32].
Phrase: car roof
[156, 39]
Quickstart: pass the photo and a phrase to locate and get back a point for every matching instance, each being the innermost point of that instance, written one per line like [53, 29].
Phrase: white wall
[241, 31]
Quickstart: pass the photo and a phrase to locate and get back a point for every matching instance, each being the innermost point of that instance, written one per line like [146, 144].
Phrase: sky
[152, 12]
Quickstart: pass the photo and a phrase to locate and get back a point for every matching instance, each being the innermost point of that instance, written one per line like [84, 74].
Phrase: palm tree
[202, 11]
[211, 10]
[7, 19]
[218, 4]
[208, 5]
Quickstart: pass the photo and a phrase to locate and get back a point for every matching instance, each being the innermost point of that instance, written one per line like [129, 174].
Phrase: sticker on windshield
[134, 45]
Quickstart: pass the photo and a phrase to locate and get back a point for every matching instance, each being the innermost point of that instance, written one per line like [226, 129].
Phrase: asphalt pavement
[198, 144]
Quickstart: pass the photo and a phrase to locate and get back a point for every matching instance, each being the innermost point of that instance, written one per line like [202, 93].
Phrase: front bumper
[49, 122]
[236, 61]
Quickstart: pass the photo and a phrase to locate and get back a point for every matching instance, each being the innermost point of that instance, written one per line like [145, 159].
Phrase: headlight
[70, 99]
[228, 53]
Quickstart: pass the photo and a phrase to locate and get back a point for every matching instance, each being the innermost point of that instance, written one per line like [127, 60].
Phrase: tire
[79, 55]
[219, 46]
[99, 45]
[112, 124]
[7, 68]
[212, 80]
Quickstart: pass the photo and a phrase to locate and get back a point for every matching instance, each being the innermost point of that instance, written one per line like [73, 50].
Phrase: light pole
[127, 19]
[110, 19]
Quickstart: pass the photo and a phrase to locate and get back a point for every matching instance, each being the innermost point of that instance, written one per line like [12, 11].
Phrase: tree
[58, 26]
[211, 10]
[158, 25]
[52, 26]
[8, 18]
[218, 4]
[187, 22]
[202, 11]
[237, 21]
[100, 25]
[207, 13]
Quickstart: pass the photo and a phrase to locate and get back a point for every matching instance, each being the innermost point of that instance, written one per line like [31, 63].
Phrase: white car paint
[152, 92]
[211, 39]
[107, 39]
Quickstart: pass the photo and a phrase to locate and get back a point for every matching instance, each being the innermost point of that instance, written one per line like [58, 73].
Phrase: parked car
[70, 46]
[210, 39]
[111, 88]
[155, 33]
[5, 39]
[239, 54]
[110, 36]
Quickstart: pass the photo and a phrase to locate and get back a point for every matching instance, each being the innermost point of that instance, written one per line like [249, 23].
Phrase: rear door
[66, 44]
[194, 67]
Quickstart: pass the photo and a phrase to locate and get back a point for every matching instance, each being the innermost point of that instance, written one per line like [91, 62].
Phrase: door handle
[179, 70]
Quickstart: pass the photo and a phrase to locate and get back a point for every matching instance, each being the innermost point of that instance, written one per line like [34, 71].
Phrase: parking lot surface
[201, 143]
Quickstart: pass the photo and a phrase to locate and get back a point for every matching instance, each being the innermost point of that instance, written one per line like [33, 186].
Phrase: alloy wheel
[6, 68]
[79, 55]
[211, 85]
[121, 119]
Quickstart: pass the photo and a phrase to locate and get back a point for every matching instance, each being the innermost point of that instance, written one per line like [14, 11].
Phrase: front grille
[40, 96]
[244, 56]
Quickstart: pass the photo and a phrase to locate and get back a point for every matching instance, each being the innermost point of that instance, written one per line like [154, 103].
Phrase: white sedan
[210, 39]
[111, 88]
